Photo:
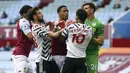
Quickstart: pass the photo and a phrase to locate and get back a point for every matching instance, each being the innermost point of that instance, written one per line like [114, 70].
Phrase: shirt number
[78, 38]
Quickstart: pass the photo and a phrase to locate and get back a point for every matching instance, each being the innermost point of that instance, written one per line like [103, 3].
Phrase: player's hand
[61, 24]
[35, 44]
[67, 23]
[60, 31]
[51, 25]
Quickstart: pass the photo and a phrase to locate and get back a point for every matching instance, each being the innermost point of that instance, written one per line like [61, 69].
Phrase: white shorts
[59, 59]
[21, 64]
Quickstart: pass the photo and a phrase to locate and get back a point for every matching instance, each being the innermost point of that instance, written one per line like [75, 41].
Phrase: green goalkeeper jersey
[98, 28]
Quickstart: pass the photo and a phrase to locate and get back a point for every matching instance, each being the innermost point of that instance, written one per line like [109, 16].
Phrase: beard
[66, 17]
[41, 20]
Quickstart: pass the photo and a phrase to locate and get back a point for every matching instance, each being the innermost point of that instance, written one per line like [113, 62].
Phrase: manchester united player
[78, 37]
[42, 36]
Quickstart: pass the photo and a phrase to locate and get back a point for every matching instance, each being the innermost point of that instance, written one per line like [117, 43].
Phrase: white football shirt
[44, 50]
[78, 37]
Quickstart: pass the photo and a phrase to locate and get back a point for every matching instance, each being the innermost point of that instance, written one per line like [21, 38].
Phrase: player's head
[62, 12]
[35, 15]
[89, 8]
[23, 11]
[81, 15]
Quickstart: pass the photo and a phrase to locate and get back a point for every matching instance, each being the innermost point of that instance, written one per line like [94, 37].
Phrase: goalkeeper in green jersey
[97, 40]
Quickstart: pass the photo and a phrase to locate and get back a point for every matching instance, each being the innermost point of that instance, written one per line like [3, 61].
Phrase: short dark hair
[82, 14]
[32, 12]
[24, 9]
[91, 6]
[60, 7]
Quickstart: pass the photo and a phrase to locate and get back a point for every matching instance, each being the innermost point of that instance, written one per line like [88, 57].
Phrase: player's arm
[64, 35]
[30, 36]
[99, 38]
[44, 32]
[51, 25]
[58, 25]
[55, 34]
[57, 30]
[25, 27]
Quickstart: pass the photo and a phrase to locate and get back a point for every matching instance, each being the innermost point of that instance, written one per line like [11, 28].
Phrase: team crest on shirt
[94, 24]
[25, 27]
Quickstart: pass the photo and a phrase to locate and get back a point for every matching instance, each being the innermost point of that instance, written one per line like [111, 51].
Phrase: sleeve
[25, 27]
[65, 32]
[40, 31]
[100, 30]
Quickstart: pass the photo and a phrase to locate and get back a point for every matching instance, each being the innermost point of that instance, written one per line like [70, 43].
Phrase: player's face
[88, 9]
[63, 13]
[76, 19]
[39, 16]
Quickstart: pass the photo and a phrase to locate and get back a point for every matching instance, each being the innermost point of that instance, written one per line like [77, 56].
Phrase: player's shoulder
[56, 22]
[35, 26]
[86, 26]
[98, 21]
[23, 20]
[23, 23]
[70, 26]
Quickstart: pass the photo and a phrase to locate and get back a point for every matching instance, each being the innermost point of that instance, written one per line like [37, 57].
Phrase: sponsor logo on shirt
[94, 24]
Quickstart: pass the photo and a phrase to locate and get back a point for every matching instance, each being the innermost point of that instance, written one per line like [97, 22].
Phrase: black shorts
[74, 65]
[47, 67]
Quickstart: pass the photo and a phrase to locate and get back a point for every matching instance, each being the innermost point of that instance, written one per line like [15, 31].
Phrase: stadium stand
[49, 7]
[102, 14]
